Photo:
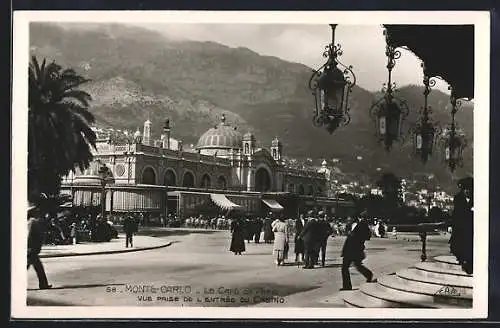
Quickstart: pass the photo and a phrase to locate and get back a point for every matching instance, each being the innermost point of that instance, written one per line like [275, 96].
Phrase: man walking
[353, 252]
[129, 227]
[325, 232]
[311, 237]
[35, 240]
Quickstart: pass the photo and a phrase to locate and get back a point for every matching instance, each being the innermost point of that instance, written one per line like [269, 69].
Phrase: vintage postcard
[271, 165]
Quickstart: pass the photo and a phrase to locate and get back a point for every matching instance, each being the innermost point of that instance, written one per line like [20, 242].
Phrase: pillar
[250, 177]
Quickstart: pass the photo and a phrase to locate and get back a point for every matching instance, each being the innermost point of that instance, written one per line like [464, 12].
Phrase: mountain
[138, 73]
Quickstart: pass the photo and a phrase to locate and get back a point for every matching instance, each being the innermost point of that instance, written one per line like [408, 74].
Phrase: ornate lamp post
[425, 131]
[453, 139]
[104, 176]
[389, 112]
[330, 86]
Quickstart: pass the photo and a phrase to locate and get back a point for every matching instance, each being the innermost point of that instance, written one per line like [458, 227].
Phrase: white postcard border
[21, 21]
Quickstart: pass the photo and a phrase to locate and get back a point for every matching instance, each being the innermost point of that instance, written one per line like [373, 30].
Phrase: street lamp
[330, 86]
[104, 177]
[389, 112]
[453, 139]
[425, 131]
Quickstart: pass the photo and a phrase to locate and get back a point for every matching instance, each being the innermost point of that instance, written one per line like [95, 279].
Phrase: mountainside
[138, 74]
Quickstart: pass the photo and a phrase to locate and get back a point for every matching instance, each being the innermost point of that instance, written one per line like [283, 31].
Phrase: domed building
[225, 168]
[220, 140]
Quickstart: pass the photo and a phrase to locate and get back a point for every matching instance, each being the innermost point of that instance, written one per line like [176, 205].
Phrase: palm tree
[59, 133]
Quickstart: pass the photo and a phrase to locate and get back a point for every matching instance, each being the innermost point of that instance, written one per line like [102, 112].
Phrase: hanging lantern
[453, 139]
[330, 87]
[425, 131]
[389, 112]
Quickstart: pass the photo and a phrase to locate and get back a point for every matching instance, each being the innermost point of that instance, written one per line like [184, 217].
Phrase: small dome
[275, 142]
[324, 163]
[222, 136]
[248, 136]
[137, 133]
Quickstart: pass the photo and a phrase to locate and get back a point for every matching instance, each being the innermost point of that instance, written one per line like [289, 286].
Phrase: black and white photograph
[250, 165]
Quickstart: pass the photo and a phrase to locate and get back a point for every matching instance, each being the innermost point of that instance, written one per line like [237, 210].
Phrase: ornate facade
[223, 161]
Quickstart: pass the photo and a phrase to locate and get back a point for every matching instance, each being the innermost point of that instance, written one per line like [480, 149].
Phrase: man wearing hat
[325, 232]
[268, 230]
[36, 232]
[300, 223]
[461, 241]
[311, 235]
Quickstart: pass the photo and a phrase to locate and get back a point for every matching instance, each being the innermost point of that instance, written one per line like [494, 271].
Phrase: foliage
[391, 188]
[374, 205]
[59, 133]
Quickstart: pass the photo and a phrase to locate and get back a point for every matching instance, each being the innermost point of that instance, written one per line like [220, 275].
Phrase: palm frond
[59, 117]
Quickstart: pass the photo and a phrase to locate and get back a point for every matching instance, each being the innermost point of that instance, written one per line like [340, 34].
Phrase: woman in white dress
[280, 249]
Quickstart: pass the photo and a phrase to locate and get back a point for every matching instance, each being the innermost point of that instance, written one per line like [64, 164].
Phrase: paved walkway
[114, 246]
[202, 262]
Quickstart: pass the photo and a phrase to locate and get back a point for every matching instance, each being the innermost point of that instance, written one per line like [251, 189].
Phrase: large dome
[223, 136]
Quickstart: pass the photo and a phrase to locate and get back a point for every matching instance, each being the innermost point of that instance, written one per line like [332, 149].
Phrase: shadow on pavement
[78, 286]
[164, 232]
[32, 301]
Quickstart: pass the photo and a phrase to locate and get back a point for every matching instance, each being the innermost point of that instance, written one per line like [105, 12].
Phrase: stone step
[357, 299]
[405, 299]
[433, 267]
[441, 294]
[415, 274]
[447, 266]
[450, 259]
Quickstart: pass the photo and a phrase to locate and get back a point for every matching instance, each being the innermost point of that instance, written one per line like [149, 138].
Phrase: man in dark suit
[353, 252]
[300, 222]
[311, 237]
[325, 232]
[36, 231]
[461, 241]
[130, 227]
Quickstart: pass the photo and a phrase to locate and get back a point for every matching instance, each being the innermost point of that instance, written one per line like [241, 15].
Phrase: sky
[363, 47]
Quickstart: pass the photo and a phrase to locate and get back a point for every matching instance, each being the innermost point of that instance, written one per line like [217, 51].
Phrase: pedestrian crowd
[73, 228]
[310, 234]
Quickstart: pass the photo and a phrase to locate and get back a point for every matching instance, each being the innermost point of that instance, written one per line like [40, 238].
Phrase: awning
[273, 205]
[223, 202]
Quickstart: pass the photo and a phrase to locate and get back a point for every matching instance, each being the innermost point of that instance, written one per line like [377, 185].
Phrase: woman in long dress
[280, 229]
[268, 230]
[238, 237]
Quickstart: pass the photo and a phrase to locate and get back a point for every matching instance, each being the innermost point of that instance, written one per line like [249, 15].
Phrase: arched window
[188, 180]
[221, 183]
[148, 176]
[205, 181]
[170, 179]
[262, 180]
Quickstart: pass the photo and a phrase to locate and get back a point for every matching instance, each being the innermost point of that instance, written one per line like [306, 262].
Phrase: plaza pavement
[141, 243]
[198, 266]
